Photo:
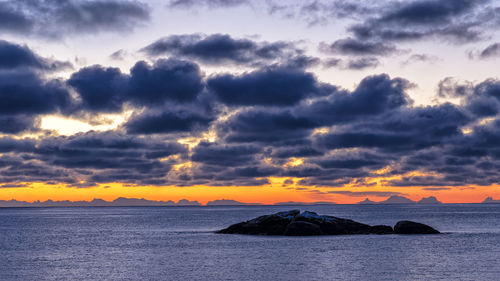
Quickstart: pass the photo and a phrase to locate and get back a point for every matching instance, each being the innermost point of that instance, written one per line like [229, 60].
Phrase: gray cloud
[453, 20]
[491, 51]
[351, 46]
[55, 18]
[222, 49]
[361, 63]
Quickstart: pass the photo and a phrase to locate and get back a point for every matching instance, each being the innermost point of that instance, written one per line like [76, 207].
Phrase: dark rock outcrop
[302, 228]
[410, 227]
[295, 223]
[381, 229]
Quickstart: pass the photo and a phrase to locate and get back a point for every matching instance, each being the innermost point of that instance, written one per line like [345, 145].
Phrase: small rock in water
[295, 223]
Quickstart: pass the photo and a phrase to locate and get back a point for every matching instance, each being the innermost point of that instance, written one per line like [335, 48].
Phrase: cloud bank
[272, 121]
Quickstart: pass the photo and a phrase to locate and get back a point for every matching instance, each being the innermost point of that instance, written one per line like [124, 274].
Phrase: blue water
[178, 243]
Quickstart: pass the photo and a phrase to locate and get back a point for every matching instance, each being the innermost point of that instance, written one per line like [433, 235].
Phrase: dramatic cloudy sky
[252, 100]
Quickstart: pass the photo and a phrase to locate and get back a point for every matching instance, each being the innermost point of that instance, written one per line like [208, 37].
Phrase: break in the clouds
[55, 18]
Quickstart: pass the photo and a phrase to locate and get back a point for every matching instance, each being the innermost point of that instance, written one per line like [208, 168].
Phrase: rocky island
[296, 223]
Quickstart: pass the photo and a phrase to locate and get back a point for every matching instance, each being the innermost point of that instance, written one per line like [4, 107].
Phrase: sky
[259, 101]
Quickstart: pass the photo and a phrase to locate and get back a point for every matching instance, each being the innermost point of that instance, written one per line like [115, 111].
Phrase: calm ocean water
[178, 243]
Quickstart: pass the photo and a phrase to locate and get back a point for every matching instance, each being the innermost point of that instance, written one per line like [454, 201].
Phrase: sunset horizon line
[123, 201]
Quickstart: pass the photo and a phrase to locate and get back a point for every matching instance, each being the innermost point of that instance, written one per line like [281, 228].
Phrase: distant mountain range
[490, 200]
[228, 202]
[119, 202]
[396, 199]
[126, 202]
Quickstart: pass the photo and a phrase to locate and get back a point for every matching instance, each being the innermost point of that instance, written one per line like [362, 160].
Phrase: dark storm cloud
[101, 89]
[374, 95]
[355, 47]
[26, 93]
[222, 170]
[89, 157]
[168, 122]
[270, 86]
[287, 132]
[256, 171]
[14, 56]
[225, 155]
[482, 99]
[57, 18]
[428, 12]
[266, 127]
[454, 20]
[107, 89]
[466, 159]
[166, 80]
[8, 144]
[223, 49]
[13, 124]
[301, 150]
[262, 118]
[352, 160]
[401, 130]
[12, 19]
[92, 151]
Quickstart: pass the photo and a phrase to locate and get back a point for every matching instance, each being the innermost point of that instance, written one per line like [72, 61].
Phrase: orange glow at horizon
[271, 193]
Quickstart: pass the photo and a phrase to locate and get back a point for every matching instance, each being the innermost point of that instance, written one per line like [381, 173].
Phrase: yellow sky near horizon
[271, 193]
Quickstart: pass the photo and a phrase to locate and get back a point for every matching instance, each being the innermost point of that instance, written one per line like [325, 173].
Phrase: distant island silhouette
[396, 199]
[131, 202]
[229, 202]
[118, 202]
[490, 200]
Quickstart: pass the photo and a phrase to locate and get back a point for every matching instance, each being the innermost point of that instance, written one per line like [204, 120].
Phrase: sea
[179, 243]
